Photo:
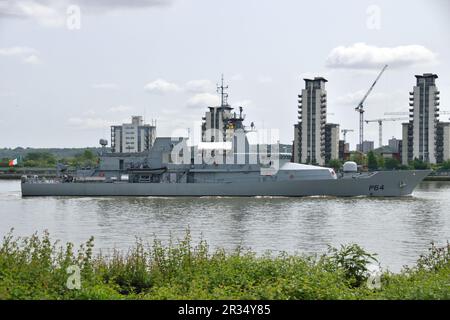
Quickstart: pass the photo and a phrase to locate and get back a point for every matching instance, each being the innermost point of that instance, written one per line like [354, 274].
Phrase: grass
[36, 268]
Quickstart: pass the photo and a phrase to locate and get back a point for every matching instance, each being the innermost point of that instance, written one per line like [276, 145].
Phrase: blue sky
[162, 59]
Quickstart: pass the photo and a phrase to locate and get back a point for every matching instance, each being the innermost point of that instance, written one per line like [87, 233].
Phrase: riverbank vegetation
[373, 161]
[37, 268]
[86, 158]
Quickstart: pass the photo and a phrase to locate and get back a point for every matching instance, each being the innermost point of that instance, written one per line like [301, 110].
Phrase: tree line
[374, 161]
[87, 158]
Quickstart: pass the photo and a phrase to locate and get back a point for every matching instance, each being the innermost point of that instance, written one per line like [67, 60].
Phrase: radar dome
[350, 166]
[103, 142]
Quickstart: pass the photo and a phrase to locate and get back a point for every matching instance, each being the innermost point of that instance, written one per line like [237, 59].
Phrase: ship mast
[223, 94]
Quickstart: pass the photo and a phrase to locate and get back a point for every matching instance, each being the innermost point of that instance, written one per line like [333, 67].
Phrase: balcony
[411, 98]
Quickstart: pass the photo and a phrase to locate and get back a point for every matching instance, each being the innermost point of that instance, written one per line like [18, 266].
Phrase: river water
[397, 229]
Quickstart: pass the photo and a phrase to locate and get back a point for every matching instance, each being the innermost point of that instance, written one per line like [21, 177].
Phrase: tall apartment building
[309, 132]
[407, 138]
[366, 146]
[420, 134]
[132, 137]
[331, 142]
[394, 144]
[442, 142]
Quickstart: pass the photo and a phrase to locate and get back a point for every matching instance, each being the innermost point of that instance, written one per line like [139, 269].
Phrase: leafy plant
[354, 260]
[391, 163]
[437, 258]
[336, 164]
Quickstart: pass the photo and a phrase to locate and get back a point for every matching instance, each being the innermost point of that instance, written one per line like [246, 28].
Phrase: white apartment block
[309, 132]
[132, 137]
[420, 136]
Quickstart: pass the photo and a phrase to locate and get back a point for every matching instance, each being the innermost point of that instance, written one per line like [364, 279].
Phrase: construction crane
[380, 127]
[344, 131]
[402, 113]
[360, 109]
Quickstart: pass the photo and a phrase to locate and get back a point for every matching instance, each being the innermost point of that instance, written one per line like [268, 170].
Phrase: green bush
[372, 162]
[39, 159]
[445, 165]
[336, 164]
[419, 164]
[391, 163]
[36, 268]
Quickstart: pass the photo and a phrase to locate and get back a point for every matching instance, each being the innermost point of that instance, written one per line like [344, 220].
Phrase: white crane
[380, 127]
[360, 109]
[344, 131]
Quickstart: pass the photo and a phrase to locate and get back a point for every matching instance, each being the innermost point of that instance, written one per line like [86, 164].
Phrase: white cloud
[17, 51]
[53, 13]
[48, 14]
[121, 108]
[33, 59]
[161, 86]
[89, 123]
[202, 100]
[26, 54]
[111, 86]
[199, 86]
[363, 56]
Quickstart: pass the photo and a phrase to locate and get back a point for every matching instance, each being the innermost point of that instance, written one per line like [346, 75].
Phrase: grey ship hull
[382, 183]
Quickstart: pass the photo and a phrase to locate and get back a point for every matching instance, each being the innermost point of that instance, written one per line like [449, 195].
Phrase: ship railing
[38, 179]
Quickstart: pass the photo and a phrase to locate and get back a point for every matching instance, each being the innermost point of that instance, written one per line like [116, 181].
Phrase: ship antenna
[223, 94]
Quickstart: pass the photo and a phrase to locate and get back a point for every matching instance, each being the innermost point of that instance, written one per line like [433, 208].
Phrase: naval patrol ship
[223, 163]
